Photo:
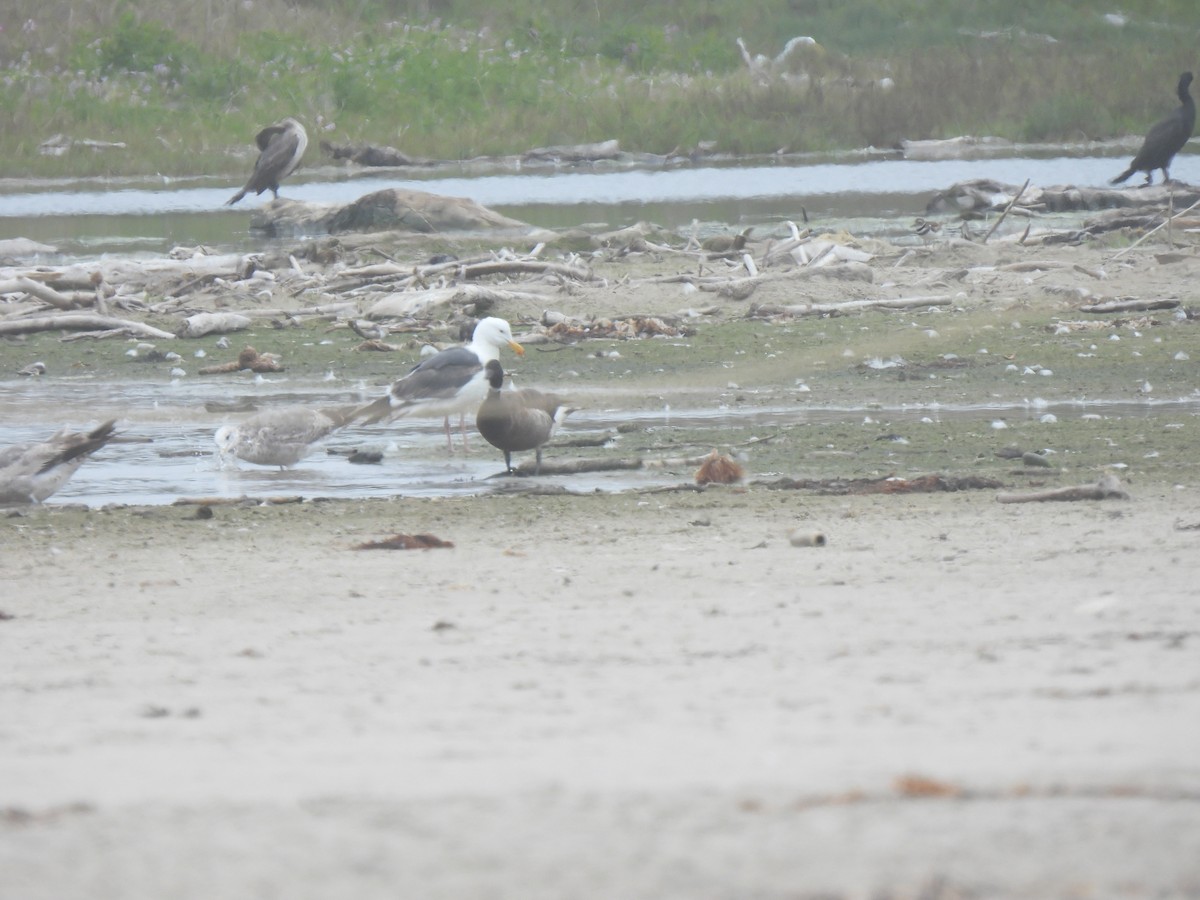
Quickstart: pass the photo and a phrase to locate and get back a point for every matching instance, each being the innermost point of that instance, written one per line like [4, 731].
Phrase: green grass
[186, 86]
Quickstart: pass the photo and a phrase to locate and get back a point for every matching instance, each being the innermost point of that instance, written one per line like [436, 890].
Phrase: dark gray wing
[79, 445]
[438, 378]
[276, 155]
[263, 138]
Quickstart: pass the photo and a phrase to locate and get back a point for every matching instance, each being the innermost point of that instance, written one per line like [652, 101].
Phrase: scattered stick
[1091, 273]
[926, 484]
[376, 345]
[1107, 488]
[1007, 210]
[685, 488]
[578, 466]
[1159, 226]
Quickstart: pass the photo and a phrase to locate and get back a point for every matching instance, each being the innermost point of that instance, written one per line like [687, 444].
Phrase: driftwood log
[82, 322]
[205, 323]
[578, 466]
[836, 309]
[1111, 306]
[925, 484]
[628, 463]
[987, 195]
[369, 154]
[610, 149]
[525, 267]
[1107, 488]
[44, 292]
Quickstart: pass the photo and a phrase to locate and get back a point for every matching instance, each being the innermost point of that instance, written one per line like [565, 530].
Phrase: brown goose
[513, 420]
[29, 473]
[281, 145]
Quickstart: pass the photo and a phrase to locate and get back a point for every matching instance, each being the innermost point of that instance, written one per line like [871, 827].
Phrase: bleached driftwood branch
[45, 293]
[824, 309]
[577, 466]
[83, 322]
[1111, 306]
[1107, 488]
[1007, 210]
[524, 267]
[1167, 221]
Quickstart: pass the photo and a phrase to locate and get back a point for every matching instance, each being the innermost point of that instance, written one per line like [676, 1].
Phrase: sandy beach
[629, 696]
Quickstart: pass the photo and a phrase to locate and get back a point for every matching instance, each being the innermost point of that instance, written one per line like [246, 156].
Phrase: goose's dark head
[1185, 82]
[494, 373]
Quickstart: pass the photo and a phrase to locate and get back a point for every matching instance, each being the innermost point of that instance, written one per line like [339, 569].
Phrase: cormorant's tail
[239, 195]
[1122, 176]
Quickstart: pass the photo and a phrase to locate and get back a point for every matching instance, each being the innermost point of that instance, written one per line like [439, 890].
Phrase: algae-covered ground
[1005, 362]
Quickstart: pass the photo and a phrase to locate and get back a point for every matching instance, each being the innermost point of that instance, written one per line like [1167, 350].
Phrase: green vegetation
[184, 85]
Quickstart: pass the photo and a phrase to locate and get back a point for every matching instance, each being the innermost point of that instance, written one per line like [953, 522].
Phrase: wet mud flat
[1008, 348]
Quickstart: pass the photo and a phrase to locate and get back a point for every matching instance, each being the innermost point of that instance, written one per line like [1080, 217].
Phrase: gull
[31, 472]
[278, 437]
[450, 381]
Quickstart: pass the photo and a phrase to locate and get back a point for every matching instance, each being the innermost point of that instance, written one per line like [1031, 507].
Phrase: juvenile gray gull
[1165, 138]
[280, 147]
[514, 420]
[450, 381]
[278, 437]
[31, 472]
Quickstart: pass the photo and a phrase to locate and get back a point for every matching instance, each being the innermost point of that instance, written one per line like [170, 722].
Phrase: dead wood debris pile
[361, 281]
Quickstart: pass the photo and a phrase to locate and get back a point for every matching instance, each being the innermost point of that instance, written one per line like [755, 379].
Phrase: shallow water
[864, 196]
[167, 451]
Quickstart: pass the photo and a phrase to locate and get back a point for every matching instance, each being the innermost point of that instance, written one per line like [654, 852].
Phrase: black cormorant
[1166, 138]
[281, 145]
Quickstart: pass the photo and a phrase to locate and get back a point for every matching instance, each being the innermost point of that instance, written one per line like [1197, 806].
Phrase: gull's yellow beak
[517, 348]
